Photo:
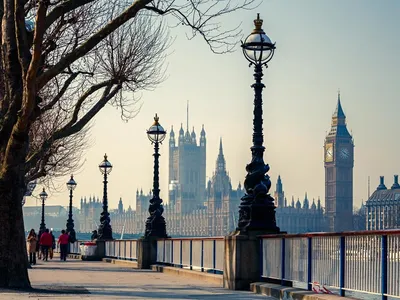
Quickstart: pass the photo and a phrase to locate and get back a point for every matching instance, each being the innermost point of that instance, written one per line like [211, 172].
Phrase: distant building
[298, 218]
[187, 170]
[89, 215]
[359, 218]
[383, 207]
[216, 215]
[55, 217]
[339, 162]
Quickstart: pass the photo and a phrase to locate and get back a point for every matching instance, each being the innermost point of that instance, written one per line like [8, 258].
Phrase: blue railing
[200, 254]
[367, 261]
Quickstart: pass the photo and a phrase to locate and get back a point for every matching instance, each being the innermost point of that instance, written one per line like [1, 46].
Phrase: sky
[322, 46]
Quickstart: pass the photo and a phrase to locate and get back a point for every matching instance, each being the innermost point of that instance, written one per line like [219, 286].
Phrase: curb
[127, 263]
[212, 278]
[289, 293]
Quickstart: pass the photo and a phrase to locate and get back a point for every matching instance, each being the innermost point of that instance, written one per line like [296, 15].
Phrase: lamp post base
[156, 227]
[257, 215]
[105, 232]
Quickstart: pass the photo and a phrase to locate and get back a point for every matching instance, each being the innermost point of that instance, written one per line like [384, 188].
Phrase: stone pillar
[101, 249]
[147, 252]
[241, 261]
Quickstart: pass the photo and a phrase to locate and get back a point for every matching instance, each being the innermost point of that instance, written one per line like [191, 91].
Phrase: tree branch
[75, 128]
[64, 8]
[95, 39]
[29, 99]
[60, 94]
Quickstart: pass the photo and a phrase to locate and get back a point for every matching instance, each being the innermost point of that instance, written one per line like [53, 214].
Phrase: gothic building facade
[193, 210]
[339, 162]
[89, 214]
[199, 208]
[298, 218]
[383, 207]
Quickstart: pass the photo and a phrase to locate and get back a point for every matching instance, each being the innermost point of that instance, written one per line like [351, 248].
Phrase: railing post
[342, 265]
[125, 250]
[180, 255]
[214, 256]
[309, 264]
[163, 255]
[283, 261]
[172, 253]
[261, 258]
[191, 255]
[384, 283]
[202, 256]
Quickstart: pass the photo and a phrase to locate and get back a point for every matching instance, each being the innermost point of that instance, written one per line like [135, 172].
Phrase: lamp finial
[258, 23]
[156, 118]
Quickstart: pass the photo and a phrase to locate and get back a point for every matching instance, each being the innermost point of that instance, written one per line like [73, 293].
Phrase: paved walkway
[76, 279]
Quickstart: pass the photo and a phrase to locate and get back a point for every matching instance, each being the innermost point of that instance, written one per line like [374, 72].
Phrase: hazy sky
[321, 46]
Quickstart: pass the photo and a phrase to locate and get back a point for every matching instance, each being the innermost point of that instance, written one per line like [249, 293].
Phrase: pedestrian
[94, 235]
[63, 241]
[53, 244]
[38, 247]
[46, 243]
[32, 241]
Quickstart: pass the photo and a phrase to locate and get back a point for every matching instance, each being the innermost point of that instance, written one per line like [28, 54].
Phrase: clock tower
[339, 163]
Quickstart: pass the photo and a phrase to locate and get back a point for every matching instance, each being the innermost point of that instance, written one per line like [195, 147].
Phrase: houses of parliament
[199, 208]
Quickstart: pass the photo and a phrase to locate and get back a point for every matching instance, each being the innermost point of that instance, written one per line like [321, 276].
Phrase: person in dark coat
[53, 246]
[94, 235]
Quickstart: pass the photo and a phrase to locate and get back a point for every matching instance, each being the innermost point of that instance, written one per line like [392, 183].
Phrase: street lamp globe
[43, 195]
[105, 166]
[71, 184]
[257, 47]
[156, 132]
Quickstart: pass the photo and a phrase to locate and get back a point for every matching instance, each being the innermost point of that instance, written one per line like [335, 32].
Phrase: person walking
[46, 242]
[94, 235]
[38, 247]
[63, 241]
[53, 244]
[32, 241]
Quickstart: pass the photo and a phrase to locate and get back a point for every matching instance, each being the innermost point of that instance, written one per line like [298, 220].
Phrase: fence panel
[326, 260]
[272, 258]
[296, 259]
[220, 254]
[393, 263]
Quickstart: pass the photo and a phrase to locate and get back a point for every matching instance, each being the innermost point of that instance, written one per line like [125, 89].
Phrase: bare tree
[60, 71]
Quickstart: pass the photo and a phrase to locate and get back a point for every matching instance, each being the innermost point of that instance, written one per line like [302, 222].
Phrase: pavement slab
[76, 279]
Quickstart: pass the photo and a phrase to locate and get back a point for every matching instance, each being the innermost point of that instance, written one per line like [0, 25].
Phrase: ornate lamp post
[257, 209]
[105, 231]
[155, 224]
[43, 195]
[71, 185]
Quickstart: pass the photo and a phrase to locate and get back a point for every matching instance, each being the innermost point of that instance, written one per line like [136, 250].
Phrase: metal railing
[74, 247]
[365, 261]
[121, 249]
[201, 254]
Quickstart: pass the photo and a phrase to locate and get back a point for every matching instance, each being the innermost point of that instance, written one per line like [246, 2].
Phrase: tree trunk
[13, 254]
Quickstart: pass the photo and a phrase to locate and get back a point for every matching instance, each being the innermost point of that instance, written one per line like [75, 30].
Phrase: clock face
[344, 153]
[329, 152]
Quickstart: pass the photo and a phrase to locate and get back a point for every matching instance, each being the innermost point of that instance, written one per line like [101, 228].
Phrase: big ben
[339, 163]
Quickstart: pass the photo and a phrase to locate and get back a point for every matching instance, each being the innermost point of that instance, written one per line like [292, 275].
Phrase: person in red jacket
[63, 241]
[46, 242]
